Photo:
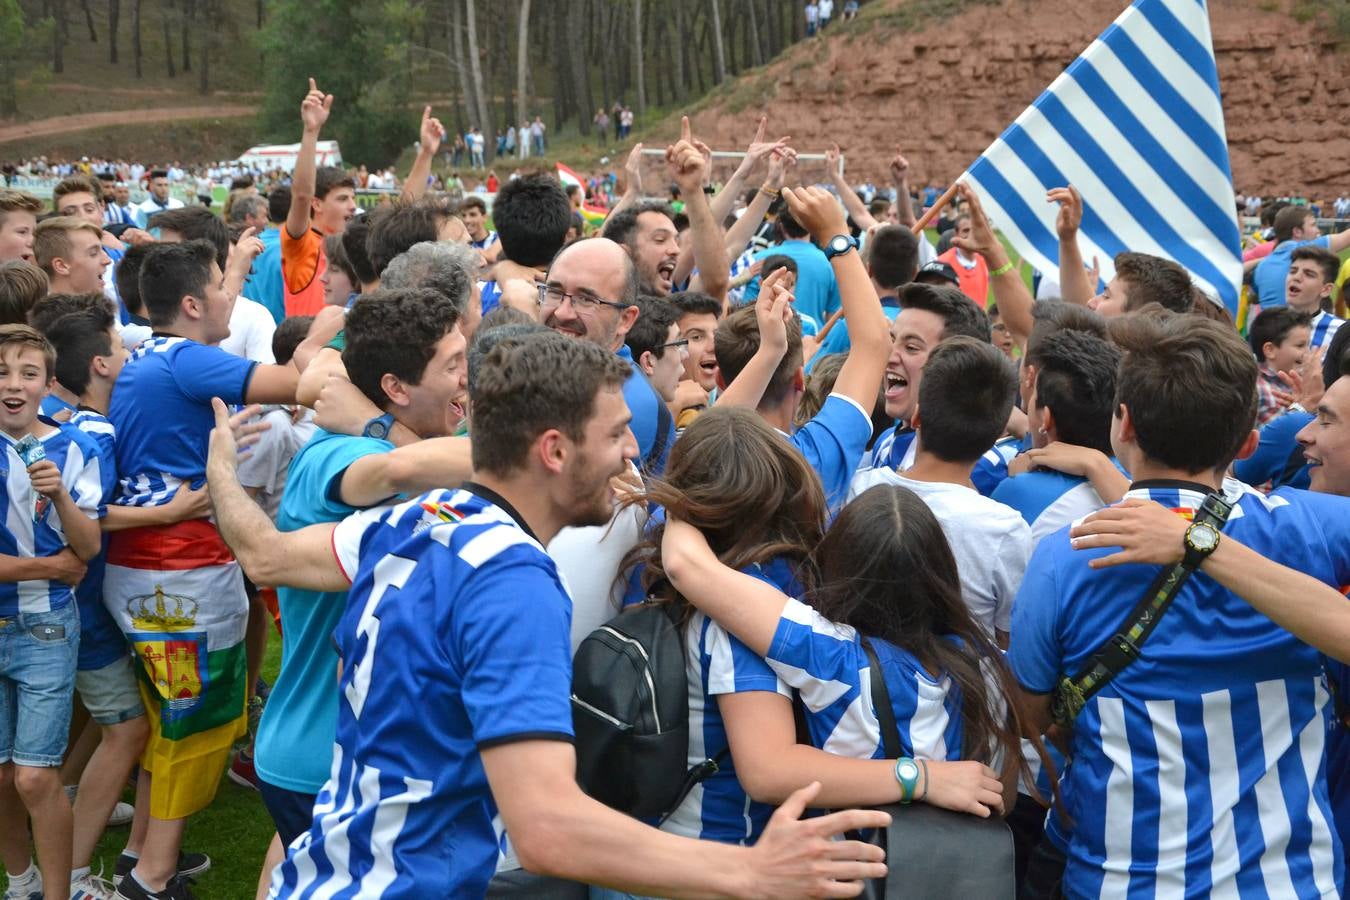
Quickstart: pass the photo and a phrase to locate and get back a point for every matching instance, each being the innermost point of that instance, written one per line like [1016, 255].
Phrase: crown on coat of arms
[143, 618]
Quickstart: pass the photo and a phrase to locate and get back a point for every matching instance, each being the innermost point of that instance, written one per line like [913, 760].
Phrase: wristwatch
[907, 773]
[1202, 539]
[379, 427]
[839, 245]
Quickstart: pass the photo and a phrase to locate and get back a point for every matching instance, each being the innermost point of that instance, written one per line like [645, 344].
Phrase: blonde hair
[18, 201]
[52, 239]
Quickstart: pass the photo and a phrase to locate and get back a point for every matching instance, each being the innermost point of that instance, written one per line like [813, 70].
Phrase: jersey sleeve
[732, 667]
[350, 534]
[516, 653]
[83, 478]
[204, 372]
[815, 656]
[300, 259]
[1034, 652]
[833, 442]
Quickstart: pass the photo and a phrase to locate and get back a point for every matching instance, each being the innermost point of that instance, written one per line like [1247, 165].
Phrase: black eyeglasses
[681, 344]
[551, 297]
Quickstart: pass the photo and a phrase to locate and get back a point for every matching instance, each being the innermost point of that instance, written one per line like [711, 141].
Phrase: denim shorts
[111, 693]
[37, 678]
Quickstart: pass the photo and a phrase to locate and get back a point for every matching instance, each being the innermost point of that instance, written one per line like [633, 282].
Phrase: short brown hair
[1330, 262]
[27, 336]
[529, 384]
[736, 341]
[51, 240]
[75, 184]
[22, 284]
[1152, 279]
[1289, 218]
[1190, 386]
[18, 201]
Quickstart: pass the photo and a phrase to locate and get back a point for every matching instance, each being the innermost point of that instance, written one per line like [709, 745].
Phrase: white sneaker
[91, 887]
[31, 890]
[121, 814]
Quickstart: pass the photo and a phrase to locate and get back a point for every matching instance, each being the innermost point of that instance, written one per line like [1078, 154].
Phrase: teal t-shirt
[294, 747]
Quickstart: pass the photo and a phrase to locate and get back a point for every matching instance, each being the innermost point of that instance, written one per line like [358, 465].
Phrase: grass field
[234, 831]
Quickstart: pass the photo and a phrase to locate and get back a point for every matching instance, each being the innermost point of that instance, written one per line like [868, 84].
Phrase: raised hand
[1070, 211]
[899, 166]
[315, 107]
[632, 170]
[685, 161]
[761, 149]
[817, 210]
[431, 133]
[982, 238]
[773, 308]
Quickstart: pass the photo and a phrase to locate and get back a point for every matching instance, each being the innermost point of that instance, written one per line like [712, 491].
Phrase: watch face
[1202, 537]
[909, 770]
[377, 430]
[839, 244]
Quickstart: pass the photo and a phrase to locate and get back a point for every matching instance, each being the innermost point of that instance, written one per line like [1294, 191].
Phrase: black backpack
[630, 710]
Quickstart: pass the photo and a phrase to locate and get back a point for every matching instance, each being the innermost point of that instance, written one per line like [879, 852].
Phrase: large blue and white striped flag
[1136, 124]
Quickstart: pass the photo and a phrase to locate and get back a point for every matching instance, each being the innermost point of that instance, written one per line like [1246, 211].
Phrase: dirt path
[66, 124]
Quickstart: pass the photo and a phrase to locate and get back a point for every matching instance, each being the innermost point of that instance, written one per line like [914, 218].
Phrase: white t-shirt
[270, 459]
[990, 540]
[588, 560]
[826, 8]
[251, 328]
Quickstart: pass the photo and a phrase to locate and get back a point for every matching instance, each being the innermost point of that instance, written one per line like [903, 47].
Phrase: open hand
[632, 170]
[1145, 531]
[982, 238]
[1070, 211]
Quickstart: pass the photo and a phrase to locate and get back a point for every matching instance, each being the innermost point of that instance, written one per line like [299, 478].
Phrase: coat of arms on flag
[170, 652]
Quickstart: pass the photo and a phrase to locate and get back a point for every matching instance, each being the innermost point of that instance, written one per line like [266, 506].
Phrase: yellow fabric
[186, 771]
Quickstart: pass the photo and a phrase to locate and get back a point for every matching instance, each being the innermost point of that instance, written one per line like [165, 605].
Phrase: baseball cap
[936, 272]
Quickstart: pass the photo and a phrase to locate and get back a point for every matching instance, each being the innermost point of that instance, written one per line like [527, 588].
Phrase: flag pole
[917, 228]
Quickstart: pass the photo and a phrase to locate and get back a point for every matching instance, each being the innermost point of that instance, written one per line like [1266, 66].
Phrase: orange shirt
[974, 281]
[302, 265]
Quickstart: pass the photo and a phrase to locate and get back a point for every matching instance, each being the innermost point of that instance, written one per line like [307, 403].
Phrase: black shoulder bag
[934, 853]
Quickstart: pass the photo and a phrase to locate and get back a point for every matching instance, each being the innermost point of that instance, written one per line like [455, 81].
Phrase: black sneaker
[189, 864]
[178, 888]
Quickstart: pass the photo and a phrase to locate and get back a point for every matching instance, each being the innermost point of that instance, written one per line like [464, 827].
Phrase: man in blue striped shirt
[1199, 769]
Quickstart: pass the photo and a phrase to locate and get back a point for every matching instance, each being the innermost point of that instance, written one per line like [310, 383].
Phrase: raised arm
[1010, 292]
[1074, 286]
[242, 254]
[689, 169]
[773, 306]
[429, 141]
[443, 462]
[759, 150]
[904, 206]
[857, 210]
[632, 181]
[739, 235]
[302, 559]
[313, 113]
[868, 328]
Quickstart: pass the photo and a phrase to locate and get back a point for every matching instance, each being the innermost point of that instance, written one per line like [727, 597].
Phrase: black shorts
[291, 811]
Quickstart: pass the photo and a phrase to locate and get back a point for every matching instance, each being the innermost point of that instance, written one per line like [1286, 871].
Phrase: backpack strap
[881, 705]
[1072, 694]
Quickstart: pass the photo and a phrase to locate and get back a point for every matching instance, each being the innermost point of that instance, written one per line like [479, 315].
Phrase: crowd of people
[1090, 539]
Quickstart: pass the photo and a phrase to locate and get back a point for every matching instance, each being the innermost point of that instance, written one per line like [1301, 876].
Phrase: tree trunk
[684, 37]
[756, 48]
[136, 34]
[480, 111]
[89, 21]
[168, 40]
[455, 45]
[188, 9]
[563, 93]
[114, 18]
[208, 37]
[637, 58]
[522, 63]
[59, 37]
[581, 76]
[258, 16]
[719, 52]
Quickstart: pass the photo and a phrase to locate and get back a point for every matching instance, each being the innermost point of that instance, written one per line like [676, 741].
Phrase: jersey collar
[499, 501]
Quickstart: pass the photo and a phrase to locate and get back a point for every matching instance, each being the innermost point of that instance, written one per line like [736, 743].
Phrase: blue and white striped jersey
[101, 640]
[895, 450]
[833, 442]
[1199, 770]
[826, 663]
[161, 409]
[718, 809]
[454, 640]
[1324, 328]
[31, 527]
[1048, 500]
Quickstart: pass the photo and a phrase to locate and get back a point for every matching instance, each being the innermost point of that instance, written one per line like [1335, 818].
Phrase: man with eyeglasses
[657, 346]
[591, 292]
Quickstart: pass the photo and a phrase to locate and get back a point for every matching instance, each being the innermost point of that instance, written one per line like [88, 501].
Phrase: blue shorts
[37, 678]
[291, 811]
